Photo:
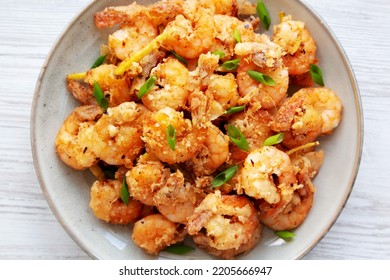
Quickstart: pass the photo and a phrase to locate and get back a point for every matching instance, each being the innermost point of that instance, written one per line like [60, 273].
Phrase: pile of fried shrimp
[182, 137]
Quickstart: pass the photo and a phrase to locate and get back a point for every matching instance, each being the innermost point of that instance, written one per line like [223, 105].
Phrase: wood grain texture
[29, 230]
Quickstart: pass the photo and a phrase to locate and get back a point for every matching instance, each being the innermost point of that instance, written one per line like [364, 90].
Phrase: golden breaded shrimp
[258, 94]
[291, 215]
[225, 27]
[190, 38]
[117, 134]
[297, 44]
[225, 225]
[116, 89]
[74, 139]
[189, 137]
[224, 91]
[107, 205]
[267, 174]
[130, 38]
[155, 232]
[178, 198]
[254, 125]
[309, 113]
[307, 164]
[213, 154]
[170, 89]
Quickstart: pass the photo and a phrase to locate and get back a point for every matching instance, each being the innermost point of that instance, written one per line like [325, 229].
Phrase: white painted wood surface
[29, 230]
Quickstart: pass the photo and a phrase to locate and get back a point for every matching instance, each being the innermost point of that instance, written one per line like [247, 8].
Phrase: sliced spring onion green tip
[231, 65]
[179, 249]
[237, 138]
[99, 61]
[171, 137]
[263, 14]
[147, 86]
[285, 234]
[99, 96]
[316, 75]
[274, 139]
[125, 195]
[221, 54]
[237, 35]
[234, 110]
[224, 176]
[180, 58]
[261, 78]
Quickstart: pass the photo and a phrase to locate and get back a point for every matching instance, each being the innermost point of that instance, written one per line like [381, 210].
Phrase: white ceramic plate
[67, 191]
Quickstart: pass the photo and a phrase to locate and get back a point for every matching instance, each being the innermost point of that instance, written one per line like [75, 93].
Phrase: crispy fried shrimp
[213, 154]
[267, 174]
[254, 125]
[117, 134]
[291, 215]
[307, 164]
[258, 94]
[155, 232]
[298, 45]
[107, 205]
[225, 225]
[309, 113]
[178, 198]
[190, 39]
[225, 26]
[170, 89]
[224, 91]
[199, 79]
[116, 89]
[189, 137]
[74, 139]
[130, 38]
[82, 91]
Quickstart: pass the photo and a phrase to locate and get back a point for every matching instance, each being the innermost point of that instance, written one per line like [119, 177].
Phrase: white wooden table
[28, 228]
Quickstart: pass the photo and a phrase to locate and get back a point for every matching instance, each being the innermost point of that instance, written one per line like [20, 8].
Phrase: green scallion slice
[274, 139]
[180, 58]
[125, 195]
[237, 35]
[99, 96]
[285, 234]
[99, 61]
[220, 53]
[263, 14]
[171, 137]
[316, 75]
[179, 249]
[224, 176]
[147, 86]
[261, 78]
[235, 109]
[237, 138]
[231, 65]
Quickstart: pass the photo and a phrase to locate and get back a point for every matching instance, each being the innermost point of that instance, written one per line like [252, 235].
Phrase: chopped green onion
[316, 75]
[99, 96]
[274, 139]
[125, 195]
[231, 65]
[147, 86]
[171, 137]
[180, 58]
[224, 176]
[99, 61]
[237, 138]
[237, 35]
[220, 53]
[263, 14]
[261, 78]
[179, 249]
[234, 110]
[285, 234]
